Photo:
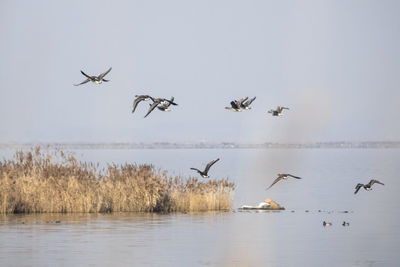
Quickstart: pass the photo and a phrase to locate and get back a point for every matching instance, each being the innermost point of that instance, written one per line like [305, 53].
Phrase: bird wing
[248, 102]
[171, 102]
[85, 81]
[101, 76]
[375, 182]
[152, 107]
[104, 80]
[358, 186]
[284, 108]
[195, 169]
[240, 101]
[297, 177]
[274, 182]
[84, 74]
[135, 103]
[210, 164]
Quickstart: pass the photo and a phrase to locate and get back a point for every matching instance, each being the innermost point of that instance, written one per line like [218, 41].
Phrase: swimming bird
[282, 176]
[324, 223]
[160, 101]
[138, 99]
[204, 173]
[96, 79]
[277, 111]
[367, 186]
[236, 104]
[246, 105]
[345, 223]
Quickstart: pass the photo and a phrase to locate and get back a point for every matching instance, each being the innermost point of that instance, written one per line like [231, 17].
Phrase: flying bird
[246, 104]
[282, 176]
[160, 101]
[204, 173]
[277, 111]
[324, 223]
[138, 99]
[367, 186]
[164, 106]
[96, 79]
[236, 104]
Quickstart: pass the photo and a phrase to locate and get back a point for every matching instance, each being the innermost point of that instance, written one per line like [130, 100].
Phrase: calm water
[292, 237]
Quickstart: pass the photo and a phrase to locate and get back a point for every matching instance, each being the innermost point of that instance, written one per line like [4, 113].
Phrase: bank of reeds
[37, 182]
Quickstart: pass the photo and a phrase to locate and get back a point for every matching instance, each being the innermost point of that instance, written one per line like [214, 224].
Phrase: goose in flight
[204, 173]
[138, 99]
[367, 186]
[282, 176]
[160, 101]
[246, 104]
[277, 111]
[236, 104]
[96, 79]
[164, 106]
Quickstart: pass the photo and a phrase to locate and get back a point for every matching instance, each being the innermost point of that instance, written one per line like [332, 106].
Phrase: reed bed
[51, 182]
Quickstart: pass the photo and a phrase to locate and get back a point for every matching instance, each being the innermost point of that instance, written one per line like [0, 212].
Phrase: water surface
[294, 237]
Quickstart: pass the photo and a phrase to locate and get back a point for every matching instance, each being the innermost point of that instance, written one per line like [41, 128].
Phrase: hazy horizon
[334, 63]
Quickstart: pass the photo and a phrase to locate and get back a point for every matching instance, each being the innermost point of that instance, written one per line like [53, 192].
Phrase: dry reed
[37, 182]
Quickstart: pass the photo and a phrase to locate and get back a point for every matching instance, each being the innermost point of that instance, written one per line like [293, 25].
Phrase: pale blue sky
[336, 64]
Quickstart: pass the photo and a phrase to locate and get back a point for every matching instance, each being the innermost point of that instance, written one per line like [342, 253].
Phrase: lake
[293, 237]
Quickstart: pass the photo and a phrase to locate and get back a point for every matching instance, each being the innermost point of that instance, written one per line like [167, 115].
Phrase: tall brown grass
[39, 182]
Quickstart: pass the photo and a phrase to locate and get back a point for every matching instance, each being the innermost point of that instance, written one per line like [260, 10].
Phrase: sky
[335, 64]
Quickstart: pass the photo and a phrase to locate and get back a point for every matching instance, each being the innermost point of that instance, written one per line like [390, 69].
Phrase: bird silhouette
[367, 186]
[282, 176]
[95, 79]
[204, 173]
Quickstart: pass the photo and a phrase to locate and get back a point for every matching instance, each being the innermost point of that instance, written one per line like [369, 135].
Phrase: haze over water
[232, 238]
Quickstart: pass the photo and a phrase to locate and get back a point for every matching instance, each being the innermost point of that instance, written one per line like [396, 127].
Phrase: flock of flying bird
[163, 104]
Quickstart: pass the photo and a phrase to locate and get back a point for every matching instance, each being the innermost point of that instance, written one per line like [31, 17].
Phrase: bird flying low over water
[282, 176]
[236, 104]
[367, 186]
[165, 103]
[204, 173]
[246, 104]
[96, 79]
[277, 111]
[138, 99]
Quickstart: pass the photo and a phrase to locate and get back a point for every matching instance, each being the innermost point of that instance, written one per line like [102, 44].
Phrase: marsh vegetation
[50, 182]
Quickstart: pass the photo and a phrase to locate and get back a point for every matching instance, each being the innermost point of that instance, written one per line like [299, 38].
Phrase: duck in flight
[236, 104]
[282, 176]
[160, 101]
[204, 173]
[138, 99]
[277, 111]
[367, 186]
[96, 79]
[246, 104]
